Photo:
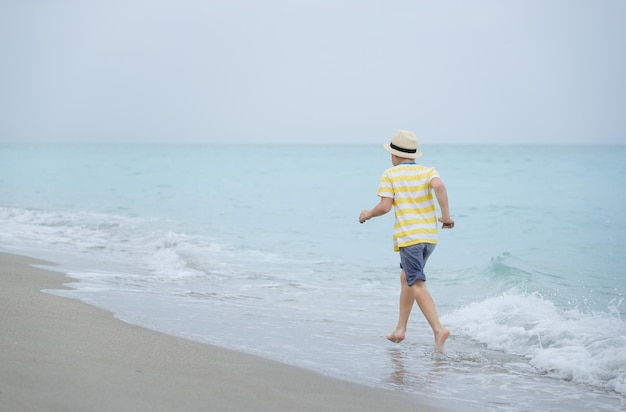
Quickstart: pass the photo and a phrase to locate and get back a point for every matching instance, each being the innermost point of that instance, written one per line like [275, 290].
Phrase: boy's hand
[364, 216]
[448, 223]
[384, 206]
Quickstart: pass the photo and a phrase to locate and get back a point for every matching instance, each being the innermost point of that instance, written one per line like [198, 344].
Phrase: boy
[407, 187]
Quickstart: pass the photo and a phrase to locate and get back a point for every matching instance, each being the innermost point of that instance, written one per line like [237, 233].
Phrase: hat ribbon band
[402, 149]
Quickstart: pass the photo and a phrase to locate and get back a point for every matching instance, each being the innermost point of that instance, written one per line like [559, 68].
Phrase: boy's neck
[397, 160]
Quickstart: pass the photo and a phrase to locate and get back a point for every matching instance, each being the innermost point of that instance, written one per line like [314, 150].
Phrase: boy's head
[404, 145]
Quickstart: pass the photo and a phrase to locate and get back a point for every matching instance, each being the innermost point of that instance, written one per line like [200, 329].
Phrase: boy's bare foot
[440, 339]
[396, 336]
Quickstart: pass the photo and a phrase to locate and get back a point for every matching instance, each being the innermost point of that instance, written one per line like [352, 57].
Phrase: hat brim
[404, 155]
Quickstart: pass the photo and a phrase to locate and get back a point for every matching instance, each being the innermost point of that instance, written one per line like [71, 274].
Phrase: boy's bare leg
[407, 298]
[418, 293]
[427, 305]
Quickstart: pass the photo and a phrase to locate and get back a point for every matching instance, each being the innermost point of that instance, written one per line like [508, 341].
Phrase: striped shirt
[416, 218]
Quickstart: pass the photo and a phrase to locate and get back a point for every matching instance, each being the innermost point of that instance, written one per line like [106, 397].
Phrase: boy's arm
[442, 198]
[384, 206]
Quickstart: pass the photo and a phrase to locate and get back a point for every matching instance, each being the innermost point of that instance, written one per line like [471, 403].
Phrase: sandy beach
[59, 354]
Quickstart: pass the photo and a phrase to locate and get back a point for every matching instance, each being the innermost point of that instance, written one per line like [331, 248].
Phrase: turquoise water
[258, 248]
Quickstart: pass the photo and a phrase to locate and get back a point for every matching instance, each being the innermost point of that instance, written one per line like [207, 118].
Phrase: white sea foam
[588, 348]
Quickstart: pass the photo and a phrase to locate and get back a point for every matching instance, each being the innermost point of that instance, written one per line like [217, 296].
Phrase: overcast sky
[527, 71]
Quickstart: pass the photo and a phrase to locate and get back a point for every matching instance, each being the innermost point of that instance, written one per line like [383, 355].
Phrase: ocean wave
[149, 249]
[586, 348]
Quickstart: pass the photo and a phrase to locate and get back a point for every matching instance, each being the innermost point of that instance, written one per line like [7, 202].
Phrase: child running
[408, 188]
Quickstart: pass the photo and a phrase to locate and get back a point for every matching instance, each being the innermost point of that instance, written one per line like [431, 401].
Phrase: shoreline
[60, 354]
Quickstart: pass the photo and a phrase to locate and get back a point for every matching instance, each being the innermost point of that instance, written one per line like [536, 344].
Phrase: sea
[258, 248]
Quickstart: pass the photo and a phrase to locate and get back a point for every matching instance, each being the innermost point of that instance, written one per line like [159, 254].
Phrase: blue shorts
[413, 259]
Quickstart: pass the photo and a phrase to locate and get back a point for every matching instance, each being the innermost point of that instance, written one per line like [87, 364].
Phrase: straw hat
[404, 144]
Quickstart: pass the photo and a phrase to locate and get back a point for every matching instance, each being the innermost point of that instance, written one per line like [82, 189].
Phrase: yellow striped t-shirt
[416, 218]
